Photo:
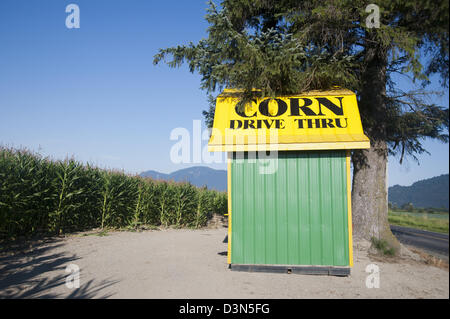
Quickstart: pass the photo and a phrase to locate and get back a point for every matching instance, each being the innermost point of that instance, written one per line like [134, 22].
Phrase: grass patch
[424, 222]
[383, 247]
[101, 233]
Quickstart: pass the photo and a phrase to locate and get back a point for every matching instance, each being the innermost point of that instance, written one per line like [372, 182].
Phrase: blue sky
[94, 93]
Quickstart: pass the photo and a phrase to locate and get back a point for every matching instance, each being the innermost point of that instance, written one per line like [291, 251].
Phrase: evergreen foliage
[288, 47]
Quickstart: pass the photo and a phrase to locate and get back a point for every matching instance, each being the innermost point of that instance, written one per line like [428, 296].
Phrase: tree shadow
[91, 290]
[26, 274]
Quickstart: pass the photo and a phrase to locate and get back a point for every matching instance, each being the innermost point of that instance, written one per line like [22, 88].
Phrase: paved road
[426, 240]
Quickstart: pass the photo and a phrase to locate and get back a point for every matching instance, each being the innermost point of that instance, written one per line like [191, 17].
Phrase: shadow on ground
[30, 274]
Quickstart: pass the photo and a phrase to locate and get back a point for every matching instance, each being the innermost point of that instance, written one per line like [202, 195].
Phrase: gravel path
[192, 264]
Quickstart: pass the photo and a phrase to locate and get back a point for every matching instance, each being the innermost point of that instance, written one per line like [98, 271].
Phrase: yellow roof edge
[290, 146]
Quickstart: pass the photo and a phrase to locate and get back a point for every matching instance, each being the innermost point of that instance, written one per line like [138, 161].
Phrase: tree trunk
[370, 195]
[369, 190]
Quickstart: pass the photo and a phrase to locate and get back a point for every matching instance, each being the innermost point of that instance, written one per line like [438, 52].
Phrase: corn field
[40, 197]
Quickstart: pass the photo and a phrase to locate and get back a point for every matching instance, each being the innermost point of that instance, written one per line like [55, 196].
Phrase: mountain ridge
[197, 175]
[427, 193]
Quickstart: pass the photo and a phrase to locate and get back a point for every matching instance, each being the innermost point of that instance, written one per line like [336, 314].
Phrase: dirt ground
[193, 264]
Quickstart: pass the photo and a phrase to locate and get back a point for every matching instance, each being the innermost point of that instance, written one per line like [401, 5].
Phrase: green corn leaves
[39, 196]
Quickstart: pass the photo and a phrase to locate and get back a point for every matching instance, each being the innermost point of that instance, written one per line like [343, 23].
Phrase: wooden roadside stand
[289, 188]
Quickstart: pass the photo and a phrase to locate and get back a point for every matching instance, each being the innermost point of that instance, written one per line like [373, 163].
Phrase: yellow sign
[311, 121]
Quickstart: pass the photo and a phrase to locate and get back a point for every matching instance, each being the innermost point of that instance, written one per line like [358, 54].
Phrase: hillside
[197, 175]
[432, 192]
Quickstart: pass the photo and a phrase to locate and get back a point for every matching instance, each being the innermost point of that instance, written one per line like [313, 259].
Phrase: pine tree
[291, 46]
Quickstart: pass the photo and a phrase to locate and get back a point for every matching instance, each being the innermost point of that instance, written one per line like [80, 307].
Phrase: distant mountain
[155, 175]
[197, 175]
[432, 192]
